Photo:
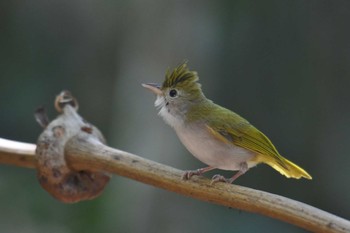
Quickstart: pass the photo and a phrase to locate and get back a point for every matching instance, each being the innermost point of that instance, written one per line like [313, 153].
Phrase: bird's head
[178, 93]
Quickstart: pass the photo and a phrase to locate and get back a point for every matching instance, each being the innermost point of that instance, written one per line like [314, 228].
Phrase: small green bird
[215, 135]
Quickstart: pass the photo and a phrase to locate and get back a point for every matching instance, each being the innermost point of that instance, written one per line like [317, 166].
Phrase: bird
[215, 135]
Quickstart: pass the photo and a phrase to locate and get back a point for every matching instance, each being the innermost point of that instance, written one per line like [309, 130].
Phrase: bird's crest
[181, 77]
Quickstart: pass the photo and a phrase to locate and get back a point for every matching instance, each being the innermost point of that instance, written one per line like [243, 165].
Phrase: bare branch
[84, 153]
[17, 153]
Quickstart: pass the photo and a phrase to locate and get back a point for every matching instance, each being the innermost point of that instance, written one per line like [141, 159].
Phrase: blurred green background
[283, 65]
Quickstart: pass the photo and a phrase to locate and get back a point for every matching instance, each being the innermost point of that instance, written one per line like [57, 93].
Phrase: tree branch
[85, 152]
[17, 153]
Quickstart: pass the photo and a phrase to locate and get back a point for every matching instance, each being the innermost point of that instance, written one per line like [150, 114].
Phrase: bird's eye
[173, 93]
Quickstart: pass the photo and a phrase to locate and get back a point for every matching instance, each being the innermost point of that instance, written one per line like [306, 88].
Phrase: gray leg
[219, 178]
[188, 174]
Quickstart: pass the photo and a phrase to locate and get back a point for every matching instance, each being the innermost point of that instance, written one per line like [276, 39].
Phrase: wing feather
[240, 132]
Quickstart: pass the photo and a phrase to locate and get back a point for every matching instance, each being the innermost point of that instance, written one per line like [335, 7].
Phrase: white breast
[213, 152]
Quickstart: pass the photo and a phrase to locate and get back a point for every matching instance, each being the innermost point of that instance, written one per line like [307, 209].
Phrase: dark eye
[173, 93]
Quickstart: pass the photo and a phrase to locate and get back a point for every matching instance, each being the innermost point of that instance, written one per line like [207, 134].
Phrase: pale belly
[214, 152]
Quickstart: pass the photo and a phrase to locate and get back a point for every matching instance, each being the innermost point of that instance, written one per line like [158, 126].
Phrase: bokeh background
[283, 65]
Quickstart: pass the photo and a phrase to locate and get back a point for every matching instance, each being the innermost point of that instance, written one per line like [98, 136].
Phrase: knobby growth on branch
[74, 164]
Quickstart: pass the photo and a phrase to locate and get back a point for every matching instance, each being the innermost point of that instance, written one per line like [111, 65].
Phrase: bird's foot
[188, 174]
[219, 178]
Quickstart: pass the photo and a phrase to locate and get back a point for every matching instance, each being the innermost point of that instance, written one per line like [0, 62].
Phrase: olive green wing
[241, 133]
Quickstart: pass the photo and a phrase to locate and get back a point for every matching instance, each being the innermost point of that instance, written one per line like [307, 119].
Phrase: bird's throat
[170, 115]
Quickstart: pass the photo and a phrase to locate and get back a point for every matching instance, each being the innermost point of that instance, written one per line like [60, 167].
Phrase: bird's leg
[243, 169]
[219, 178]
[188, 174]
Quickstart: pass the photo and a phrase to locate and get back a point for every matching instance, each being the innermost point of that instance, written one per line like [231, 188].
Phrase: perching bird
[215, 135]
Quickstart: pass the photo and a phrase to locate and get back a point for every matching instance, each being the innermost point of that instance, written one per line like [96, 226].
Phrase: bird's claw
[218, 178]
[188, 174]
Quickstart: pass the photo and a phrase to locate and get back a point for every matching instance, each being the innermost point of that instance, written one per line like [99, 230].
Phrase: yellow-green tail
[287, 168]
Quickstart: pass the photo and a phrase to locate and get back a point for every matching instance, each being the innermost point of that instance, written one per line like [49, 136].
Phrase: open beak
[154, 87]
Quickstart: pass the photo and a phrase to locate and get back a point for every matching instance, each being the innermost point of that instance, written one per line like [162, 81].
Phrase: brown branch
[85, 155]
[17, 153]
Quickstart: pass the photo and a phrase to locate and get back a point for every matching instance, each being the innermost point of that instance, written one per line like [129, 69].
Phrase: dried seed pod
[54, 174]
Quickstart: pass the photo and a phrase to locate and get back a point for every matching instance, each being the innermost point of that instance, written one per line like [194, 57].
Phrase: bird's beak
[154, 87]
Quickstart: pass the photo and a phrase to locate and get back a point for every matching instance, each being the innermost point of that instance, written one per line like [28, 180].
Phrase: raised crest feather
[181, 76]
